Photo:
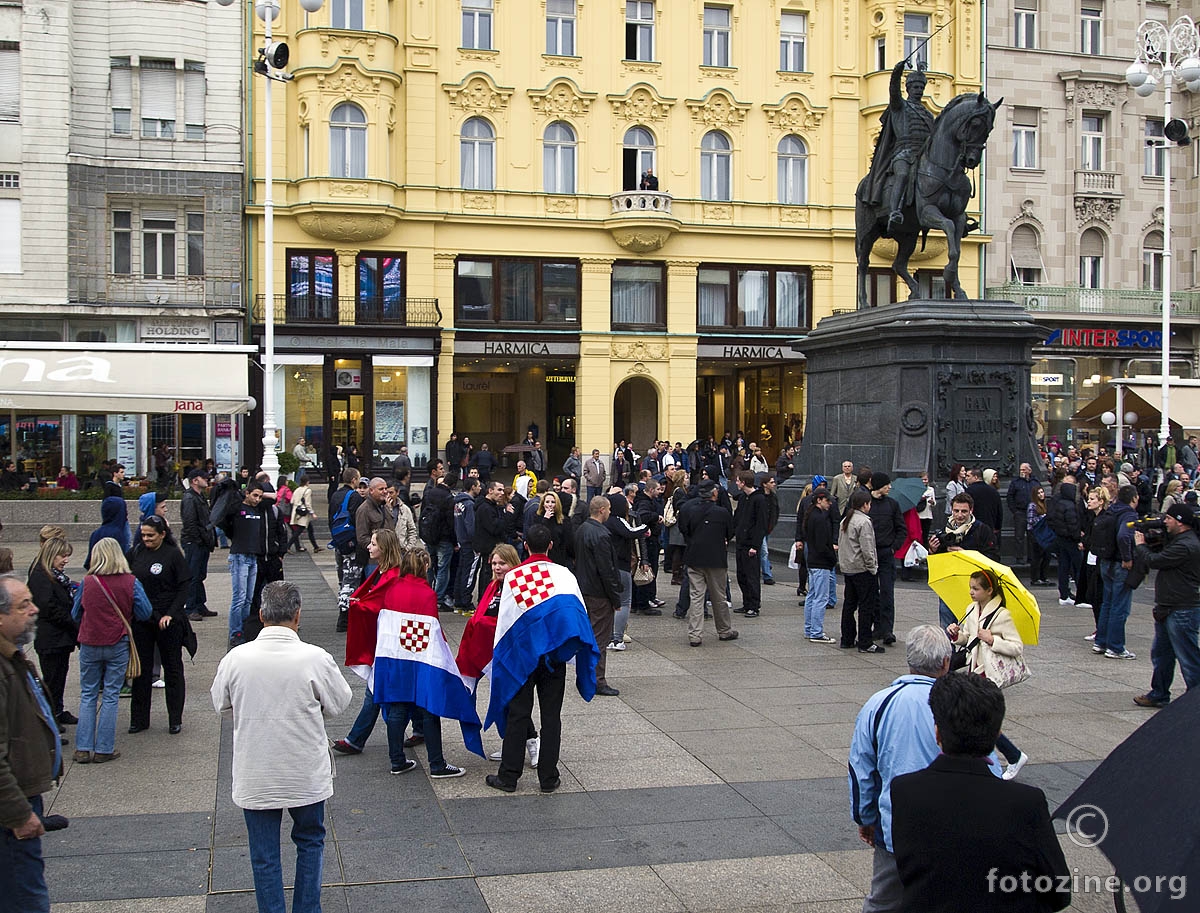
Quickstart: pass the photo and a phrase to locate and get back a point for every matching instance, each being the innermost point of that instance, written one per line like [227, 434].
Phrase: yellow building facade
[466, 236]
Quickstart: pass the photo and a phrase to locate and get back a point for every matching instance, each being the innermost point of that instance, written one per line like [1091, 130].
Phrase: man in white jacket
[280, 690]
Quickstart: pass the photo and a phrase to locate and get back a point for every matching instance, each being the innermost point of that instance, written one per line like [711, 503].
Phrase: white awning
[78, 377]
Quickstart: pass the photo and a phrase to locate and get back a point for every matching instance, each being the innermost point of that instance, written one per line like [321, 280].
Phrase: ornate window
[560, 27]
[347, 142]
[639, 30]
[1025, 137]
[558, 158]
[793, 37]
[1025, 256]
[477, 24]
[716, 167]
[1091, 153]
[716, 35]
[1091, 259]
[1152, 261]
[793, 171]
[477, 150]
[637, 157]
[1155, 163]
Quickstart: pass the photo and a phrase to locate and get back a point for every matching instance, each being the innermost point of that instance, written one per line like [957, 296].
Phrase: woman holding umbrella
[988, 632]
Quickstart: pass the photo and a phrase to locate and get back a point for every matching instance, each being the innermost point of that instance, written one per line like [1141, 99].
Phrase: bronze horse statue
[939, 195]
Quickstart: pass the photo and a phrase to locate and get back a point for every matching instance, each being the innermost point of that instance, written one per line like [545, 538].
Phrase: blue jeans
[397, 716]
[197, 559]
[621, 620]
[364, 723]
[1070, 557]
[822, 593]
[308, 833]
[440, 568]
[22, 872]
[945, 616]
[243, 571]
[765, 561]
[100, 669]
[1175, 639]
[1114, 609]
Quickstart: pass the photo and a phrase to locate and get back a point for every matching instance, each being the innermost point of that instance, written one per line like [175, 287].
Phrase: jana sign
[66, 370]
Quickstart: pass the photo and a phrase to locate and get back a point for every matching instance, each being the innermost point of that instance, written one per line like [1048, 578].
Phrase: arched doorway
[635, 413]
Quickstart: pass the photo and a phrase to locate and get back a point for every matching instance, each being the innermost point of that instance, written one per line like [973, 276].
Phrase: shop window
[380, 297]
[639, 295]
[755, 297]
[312, 287]
[516, 291]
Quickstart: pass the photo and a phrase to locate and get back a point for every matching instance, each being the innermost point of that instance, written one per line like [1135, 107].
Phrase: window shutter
[10, 236]
[194, 90]
[120, 82]
[793, 23]
[158, 89]
[10, 81]
[1091, 244]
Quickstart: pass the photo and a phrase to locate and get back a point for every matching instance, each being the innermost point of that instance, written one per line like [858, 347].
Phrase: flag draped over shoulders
[542, 619]
[475, 649]
[408, 660]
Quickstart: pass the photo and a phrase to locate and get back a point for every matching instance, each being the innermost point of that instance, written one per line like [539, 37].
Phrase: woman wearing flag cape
[395, 642]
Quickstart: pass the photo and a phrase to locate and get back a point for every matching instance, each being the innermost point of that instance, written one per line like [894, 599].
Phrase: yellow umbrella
[950, 575]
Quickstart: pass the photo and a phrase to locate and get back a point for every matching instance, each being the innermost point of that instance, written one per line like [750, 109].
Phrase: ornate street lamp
[270, 62]
[1164, 52]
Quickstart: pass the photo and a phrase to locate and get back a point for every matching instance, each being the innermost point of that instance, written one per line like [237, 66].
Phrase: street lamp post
[1162, 52]
[271, 60]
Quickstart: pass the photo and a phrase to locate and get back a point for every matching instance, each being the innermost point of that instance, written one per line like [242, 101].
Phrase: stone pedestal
[921, 385]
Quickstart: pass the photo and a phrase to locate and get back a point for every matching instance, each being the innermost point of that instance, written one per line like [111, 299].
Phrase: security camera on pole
[270, 62]
[1163, 52]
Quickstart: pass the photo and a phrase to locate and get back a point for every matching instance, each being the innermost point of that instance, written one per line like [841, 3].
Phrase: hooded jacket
[1062, 513]
[114, 524]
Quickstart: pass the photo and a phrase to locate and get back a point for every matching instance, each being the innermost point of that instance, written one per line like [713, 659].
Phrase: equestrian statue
[918, 178]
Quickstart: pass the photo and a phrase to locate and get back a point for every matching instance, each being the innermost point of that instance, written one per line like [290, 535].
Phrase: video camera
[1153, 529]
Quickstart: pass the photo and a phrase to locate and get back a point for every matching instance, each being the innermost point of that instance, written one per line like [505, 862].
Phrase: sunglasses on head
[155, 522]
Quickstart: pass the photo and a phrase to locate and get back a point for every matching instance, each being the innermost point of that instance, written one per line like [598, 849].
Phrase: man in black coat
[989, 507]
[964, 838]
[198, 540]
[890, 532]
[1062, 516]
[1020, 493]
[750, 524]
[596, 571]
[707, 527]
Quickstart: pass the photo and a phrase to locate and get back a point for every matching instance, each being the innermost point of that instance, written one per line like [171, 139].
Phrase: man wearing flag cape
[541, 626]
[395, 642]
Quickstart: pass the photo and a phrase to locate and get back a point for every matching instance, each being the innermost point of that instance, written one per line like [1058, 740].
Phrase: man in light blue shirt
[894, 735]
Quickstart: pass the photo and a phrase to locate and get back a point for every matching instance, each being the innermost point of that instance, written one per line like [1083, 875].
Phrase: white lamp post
[271, 60]
[1162, 52]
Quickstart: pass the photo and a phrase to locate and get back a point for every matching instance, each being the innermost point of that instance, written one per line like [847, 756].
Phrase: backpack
[1104, 535]
[341, 525]
[429, 525]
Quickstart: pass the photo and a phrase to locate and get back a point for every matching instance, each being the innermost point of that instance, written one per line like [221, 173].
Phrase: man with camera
[1176, 604]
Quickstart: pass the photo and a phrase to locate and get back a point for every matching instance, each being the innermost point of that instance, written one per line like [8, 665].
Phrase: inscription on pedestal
[977, 426]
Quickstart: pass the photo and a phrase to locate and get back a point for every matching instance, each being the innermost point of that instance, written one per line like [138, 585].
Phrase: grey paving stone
[167, 873]
[515, 813]
[676, 803]
[690, 841]
[401, 858]
[333, 900]
[623, 890]
[459, 895]
[130, 834]
[565, 849]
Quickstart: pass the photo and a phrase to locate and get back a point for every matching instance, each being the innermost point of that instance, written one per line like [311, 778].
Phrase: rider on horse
[907, 124]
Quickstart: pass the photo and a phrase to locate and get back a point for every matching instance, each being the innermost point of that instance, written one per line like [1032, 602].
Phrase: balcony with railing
[209, 290]
[1098, 184]
[421, 313]
[641, 220]
[1109, 302]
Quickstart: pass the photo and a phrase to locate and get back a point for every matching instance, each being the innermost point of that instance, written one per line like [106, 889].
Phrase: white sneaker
[1124, 654]
[1091, 636]
[1083, 605]
[496, 755]
[1011, 771]
[533, 748]
[1067, 601]
[625, 638]
[159, 684]
[618, 645]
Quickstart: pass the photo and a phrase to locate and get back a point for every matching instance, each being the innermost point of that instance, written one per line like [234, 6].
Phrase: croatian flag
[413, 663]
[541, 615]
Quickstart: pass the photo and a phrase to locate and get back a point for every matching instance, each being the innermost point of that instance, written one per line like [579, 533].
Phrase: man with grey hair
[279, 691]
[30, 753]
[894, 735]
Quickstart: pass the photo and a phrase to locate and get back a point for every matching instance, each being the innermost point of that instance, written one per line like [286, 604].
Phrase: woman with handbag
[163, 572]
[302, 516]
[106, 603]
[53, 594]
[992, 649]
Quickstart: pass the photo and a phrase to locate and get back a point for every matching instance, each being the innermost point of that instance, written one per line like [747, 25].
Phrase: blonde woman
[1172, 496]
[53, 594]
[107, 601]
